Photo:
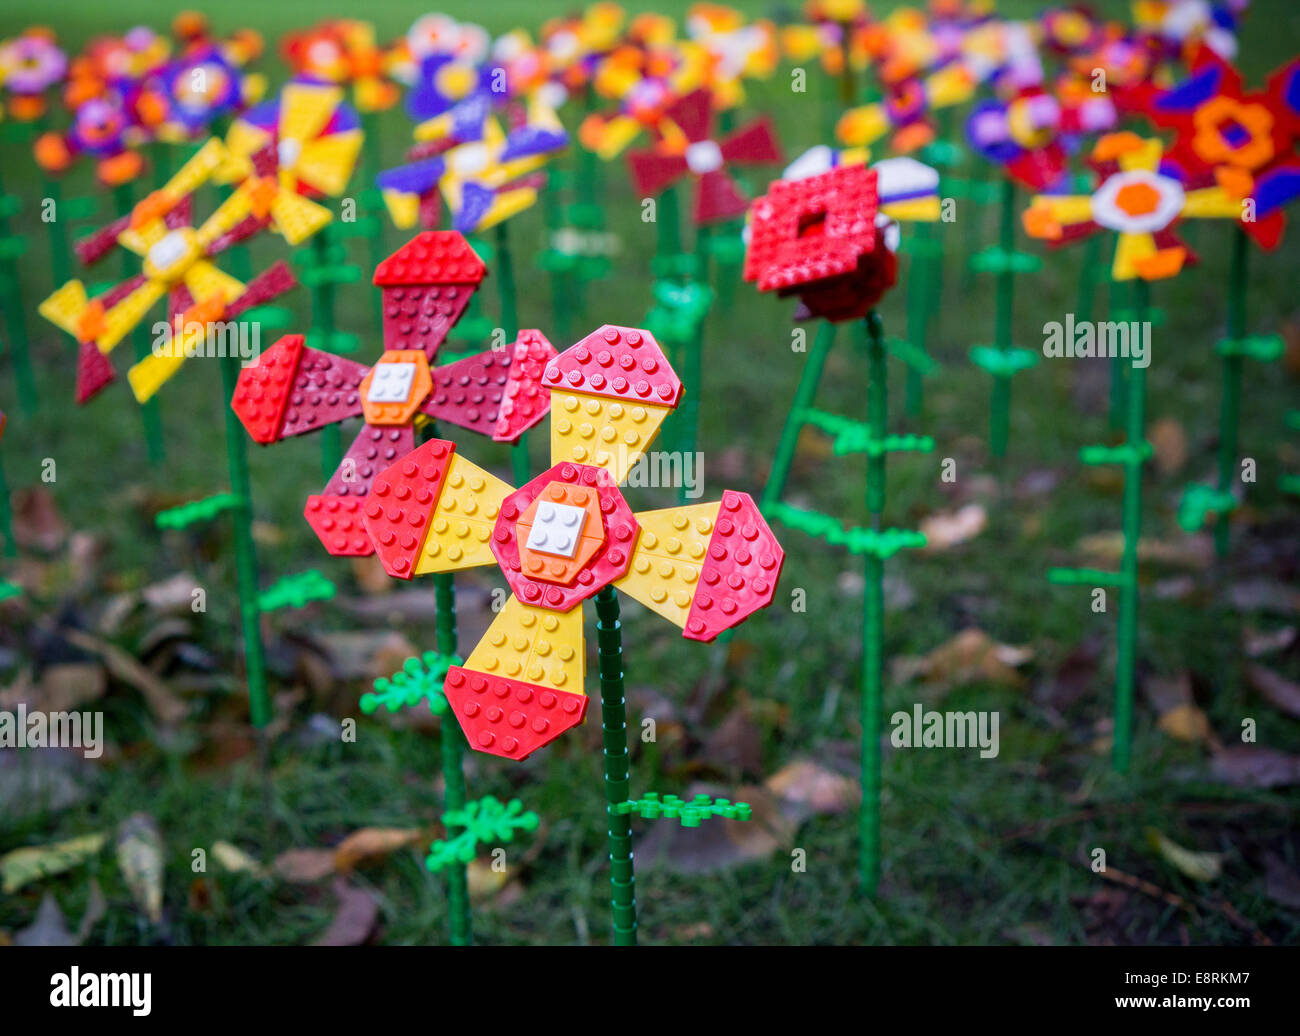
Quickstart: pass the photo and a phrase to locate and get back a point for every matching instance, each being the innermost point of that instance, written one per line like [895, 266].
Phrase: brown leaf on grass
[484, 880]
[48, 927]
[1198, 866]
[370, 575]
[804, 788]
[1168, 440]
[947, 529]
[234, 859]
[371, 844]
[718, 843]
[68, 686]
[1275, 688]
[140, 858]
[37, 524]
[1191, 551]
[173, 594]
[355, 918]
[1251, 766]
[19, 867]
[972, 656]
[1168, 692]
[1264, 595]
[735, 744]
[1185, 723]
[303, 866]
[366, 654]
[1281, 883]
[1075, 677]
[167, 708]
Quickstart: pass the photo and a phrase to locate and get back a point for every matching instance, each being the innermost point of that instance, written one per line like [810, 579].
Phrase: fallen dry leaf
[805, 788]
[484, 880]
[68, 686]
[37, 523]
[371, 844]
[947, 529]
[972, 656]
[1276, 689]
[235, 860]
[1169, 442]
[1185, 723]
[48, 927]
[174, 594]
[718, 843]
[19, 867]
[354, 919]
[167, 708]
[303, 866]
[1198, 866]
[1250, 766]
[140, 858]
[1191, 551]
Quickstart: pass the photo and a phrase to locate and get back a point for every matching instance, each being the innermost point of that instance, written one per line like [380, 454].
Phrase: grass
[975, 850]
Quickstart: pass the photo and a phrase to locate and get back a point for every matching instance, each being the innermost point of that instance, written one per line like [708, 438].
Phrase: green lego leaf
[483, 249]
[943, 153]
[1264, 348]
[678, 310]
[585, 215]
[341, 273]
[296, 591]
[981, 192]
[1199, 502]
[727, 249]
[10, 205]
[366, 226]
[1084, 577]
[196, 511]
[680, 267]
[1003, 363]
[691, 814]
[884, 543]
[855, 436]
[81, 208]
[553, 260]
[1290, 484]
[996, 259]
[419, 680]
[273, 318]
[1123, 454]
[12, 247]
[484, 822]
[9, 590]
[1293, 419]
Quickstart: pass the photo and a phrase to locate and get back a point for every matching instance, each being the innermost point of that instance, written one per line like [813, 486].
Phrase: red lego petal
[617, 362]
[652, 171]
[468, 393]
[270, 284]
[371, 451]
[417, 317]
[326, 389]
[400, 502]
[338, 522]
[94, 371]
[262, 390]
[99, 243]
[754, 143]
[741, 571]
[693, 114]
[510, 718]
[527, 400]
[433, 257]
[717, 198]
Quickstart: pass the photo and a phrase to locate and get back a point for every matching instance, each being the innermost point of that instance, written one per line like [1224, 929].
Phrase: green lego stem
[1000, 402]
[1118, 395]
[1230, 403]
[322, 322]
[150, 412]
[453, 772]
[873, 617]
[919, 306]
[1128, 569]
[510, 326]
[803, 398]
[613, 727]
[57, 228]
[259, 698]
[563, 291]
[11, 302]
[692, 367]
[8, 547]
[668, 240]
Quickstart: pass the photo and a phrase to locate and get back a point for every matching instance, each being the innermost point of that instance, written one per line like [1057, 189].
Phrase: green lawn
[976, 851]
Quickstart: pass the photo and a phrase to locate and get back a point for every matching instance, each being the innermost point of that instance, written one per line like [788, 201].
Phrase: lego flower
[565, 536]
[29, 65]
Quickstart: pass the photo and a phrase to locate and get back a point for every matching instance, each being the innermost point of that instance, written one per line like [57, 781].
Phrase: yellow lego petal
[535, 645]
[305, 108]
[862, 126]
[1130, 250]
[671, 550]
[243, 140]
[63, 308]
[298, 218]
[148, 375]
[616, 135]
[915, 210]
[608, 433]
[123, 317]
[1145, 157]
[436, 128]
[204, 281]
[142, 238]
[197, 171]
[403, 208]
[507, 204]
[326, 164]
[460, 528]
[1211, 203]
[229, 214]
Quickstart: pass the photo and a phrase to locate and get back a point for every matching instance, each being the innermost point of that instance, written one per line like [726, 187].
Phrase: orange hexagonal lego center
[1232, 132]
[395, 387]
[544, 553]
[1137, 199]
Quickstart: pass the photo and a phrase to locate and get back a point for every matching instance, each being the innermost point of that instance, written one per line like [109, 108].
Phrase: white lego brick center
[557, 529]
[704, 156]
[392, 382]
[287, 152]
[173, 247]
